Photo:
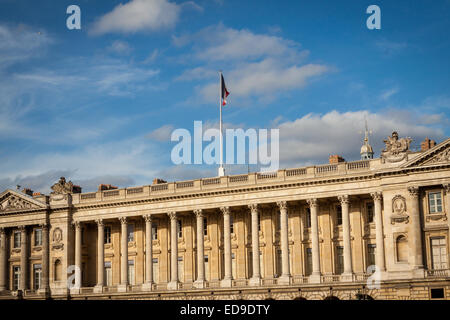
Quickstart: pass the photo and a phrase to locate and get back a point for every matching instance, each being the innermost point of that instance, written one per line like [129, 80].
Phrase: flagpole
[221, 170]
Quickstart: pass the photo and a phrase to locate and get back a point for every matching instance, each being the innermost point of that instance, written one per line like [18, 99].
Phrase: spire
[366, 149]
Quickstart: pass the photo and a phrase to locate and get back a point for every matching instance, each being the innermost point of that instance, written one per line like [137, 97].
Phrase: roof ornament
[396, 149]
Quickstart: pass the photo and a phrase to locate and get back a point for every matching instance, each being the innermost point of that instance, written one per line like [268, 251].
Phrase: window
[231, 224]
[435, 202]
[107, 235]
[339, 215]
[17, 240]
[339, 260]
[308, 262]
[37, 271]
[371, 254]
[179, 229]
[16, 278]
[38, 237]
[155, 270]
[308, 218]
[131, 278]
[259, 222]
[402, 249]
[279, 263]
[58, 270]
[82, 236]
[108, 274]
[206, 268]
[278, 226]
[369, 212]
[439, 253]
[205, 226]
[154, 231]
[130, 232]
[437, 293]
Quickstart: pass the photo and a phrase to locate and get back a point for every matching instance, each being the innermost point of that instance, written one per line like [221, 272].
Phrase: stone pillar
[315, 276]
[256, 278]
[200, 282]
[227, 280]
[148, 253]
[3, 261]
[284, 235]
[78, 247]
[173, 284]
[45, 283]
[348, 270]
[415, 234]
[23, 285]
[100, 256]
[379, 258]
[123, 255]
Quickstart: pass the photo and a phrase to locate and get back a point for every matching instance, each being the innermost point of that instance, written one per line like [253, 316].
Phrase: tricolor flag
[225, 92]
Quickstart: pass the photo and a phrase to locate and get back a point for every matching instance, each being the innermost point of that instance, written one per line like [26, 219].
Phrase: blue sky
[97, 105]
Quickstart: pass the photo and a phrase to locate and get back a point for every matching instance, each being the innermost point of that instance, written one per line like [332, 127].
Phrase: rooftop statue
[396, 149]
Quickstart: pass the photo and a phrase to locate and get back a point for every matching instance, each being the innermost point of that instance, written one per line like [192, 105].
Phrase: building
[307, 233]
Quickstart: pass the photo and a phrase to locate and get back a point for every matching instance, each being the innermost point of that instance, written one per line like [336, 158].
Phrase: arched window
[58, 270]
[402, 249]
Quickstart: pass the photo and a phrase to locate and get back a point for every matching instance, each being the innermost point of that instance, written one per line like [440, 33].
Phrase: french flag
[225, 92]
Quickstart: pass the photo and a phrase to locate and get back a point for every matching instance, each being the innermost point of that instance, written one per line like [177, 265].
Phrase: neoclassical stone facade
[305, 233]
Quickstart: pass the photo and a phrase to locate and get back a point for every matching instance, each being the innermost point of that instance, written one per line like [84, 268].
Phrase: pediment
[11, 201]
[439, 154]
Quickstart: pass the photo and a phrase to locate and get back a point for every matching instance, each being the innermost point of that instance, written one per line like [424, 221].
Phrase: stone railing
[443, 273]
[251, 179]
[331, 278]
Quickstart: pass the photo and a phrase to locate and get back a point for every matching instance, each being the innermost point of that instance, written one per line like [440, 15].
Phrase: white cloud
[388, 93]
[162, 134]
[138, 15]
[120, 47]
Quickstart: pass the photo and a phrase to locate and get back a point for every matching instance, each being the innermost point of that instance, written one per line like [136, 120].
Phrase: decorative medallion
[57, 239]
[399, 210]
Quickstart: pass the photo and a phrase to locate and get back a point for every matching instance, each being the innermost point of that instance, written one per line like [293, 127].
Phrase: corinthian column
[200, 282]
[315, 276]
[227, 280]
[173, 284]
[2, 259]
[78, 265]
[100, 256]
[123, 255]
[23, 283]
[148, 253]
[285, 272]
[256, 277]
[45, 284]
[379, 249]
[348, 270]
[415, 232]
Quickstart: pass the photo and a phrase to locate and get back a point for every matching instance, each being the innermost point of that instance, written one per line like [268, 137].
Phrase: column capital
[148, 218]
[198, 213]
[2, 231]
[377, 196]
[253, 207]
[312, 202]
[225, 211]
[282, 205]
[413, 192]
[172, 215]
[123, 220]
[99, 222]
[344, 199]
[446, 187]
[76, 224]
[22, 228]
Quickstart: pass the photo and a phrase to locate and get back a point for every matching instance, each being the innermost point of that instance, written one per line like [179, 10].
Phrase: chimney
[28, 192]
[104, 187]
[334, 158]
[158, 181]
[427, 144]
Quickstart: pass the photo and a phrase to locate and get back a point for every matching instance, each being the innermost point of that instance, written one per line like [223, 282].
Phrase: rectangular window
[308, 218]
[38, 237]
[206, 269]
[154, 231]
[131, 278]
[439, 253]
[205, 226]
[179, 229]
[17, 240]
[37, 270]
[370, 212]
[130, 232]
[155, 270]
[279, 263]
[108, 274]
[308, 262]
[108, 234]
[339, 215]
[231, 224]
[16, 278]
[339, 260]
[435, 202]
[371, 254]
